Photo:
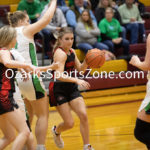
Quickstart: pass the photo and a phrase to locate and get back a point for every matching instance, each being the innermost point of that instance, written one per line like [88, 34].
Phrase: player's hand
[83, 84]
[135, 61]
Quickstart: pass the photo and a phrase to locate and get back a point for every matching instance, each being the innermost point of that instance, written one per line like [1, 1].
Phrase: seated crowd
[102, 24]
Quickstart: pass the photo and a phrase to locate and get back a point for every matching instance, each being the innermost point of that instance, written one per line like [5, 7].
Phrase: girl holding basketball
[142, 128]
[33, 89]
[64, 92]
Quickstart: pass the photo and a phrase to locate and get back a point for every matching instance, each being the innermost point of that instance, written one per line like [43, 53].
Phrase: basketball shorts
[146, 102]
[32, 89]
[18, 98]
[7, 102]
[60, 93]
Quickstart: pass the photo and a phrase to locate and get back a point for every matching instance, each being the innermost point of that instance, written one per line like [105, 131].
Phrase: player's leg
[78, 106]
[29, 110]
[18, 121]
[8, 131]
[65, 113]
[40, 108]
[142, 128]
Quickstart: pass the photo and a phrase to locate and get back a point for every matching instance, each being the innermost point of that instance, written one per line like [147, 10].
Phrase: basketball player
[64, 92]
[10, 116]
[33, 90]
[142, 128]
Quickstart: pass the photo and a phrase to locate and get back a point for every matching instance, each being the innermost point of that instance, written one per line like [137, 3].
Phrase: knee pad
[142, 132]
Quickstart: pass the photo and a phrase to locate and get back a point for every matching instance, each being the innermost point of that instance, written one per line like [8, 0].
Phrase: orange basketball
[95, 58]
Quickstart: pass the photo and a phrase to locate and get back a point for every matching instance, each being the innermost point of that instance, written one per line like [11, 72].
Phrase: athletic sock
[40, 147]
[86, 145]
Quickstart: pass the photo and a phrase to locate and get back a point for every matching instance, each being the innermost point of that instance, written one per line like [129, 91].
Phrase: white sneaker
[88, 147]
[57, 138]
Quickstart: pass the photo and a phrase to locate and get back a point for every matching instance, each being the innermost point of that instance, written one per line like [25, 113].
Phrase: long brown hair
[61, 33]
[15, 17]
[7, 34]
[89, 22]
[100, 5]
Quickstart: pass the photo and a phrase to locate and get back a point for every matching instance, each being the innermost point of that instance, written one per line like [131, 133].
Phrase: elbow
[7, 64]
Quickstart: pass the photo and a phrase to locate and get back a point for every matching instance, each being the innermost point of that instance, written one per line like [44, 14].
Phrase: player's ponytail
[14, 17]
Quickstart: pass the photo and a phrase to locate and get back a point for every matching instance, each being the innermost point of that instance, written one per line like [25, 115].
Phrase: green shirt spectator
[32, 7]
[71, 2]
[128, 13]
[111, 29]
[43, 3]
[111, 33]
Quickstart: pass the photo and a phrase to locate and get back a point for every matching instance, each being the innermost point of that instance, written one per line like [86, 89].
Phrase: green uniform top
[31, 8]
[111, 29]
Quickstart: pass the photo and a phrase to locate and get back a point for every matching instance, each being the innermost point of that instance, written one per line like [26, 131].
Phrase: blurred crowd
[104, 24]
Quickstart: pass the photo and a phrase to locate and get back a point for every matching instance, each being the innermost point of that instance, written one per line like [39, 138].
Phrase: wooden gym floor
[111, 128]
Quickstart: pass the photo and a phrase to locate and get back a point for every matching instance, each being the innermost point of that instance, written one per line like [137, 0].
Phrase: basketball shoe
[57, 138]
[88, 147]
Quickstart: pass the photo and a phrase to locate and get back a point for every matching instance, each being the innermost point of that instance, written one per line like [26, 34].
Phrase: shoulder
[121, 7]
[58, 10]
[103, 21]
[60, 54]
[80, 24]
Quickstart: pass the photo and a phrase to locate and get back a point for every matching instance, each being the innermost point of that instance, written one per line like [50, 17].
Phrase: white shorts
[146, 102]
[18, 98]
[32, 89]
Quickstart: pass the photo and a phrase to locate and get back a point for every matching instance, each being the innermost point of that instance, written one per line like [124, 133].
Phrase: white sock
[40, 147]
[86, 145]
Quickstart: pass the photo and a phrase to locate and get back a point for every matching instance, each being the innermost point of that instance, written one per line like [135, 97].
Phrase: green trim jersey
[146, 102]
[33, 88]
[26, 47]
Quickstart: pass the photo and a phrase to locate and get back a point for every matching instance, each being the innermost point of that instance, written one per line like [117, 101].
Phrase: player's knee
[69, 124]
[26, 133]
[10, 138]
[83, 116]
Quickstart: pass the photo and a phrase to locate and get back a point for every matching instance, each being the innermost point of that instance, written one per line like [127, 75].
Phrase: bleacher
[110, 90]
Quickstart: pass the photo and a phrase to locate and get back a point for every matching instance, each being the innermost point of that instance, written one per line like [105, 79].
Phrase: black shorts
[7, 103]
[60, 93]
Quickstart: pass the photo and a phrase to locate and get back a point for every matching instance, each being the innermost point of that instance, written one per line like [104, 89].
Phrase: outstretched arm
[145, 65]
[5, 58]
[31, 29]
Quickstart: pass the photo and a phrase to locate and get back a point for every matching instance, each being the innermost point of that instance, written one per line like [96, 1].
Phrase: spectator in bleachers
[94, 4]
[132, 20]
[75, 12]
[100, 13]
[62, 5]
[32, 7]
[142, 9]
[50, 31]
[43, 3]
[111, 32]
[87, 33]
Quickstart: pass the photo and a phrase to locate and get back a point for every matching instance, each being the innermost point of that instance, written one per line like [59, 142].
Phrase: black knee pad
[28, 124]
[142, 132]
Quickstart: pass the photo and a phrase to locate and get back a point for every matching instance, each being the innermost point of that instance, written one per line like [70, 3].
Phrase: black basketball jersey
[70, 61]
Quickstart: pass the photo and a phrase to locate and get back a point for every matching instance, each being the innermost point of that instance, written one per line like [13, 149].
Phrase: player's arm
[31, 29]
[60, 57]
[53, 66]
[5, 58]
[80, 66]
[145, 65]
